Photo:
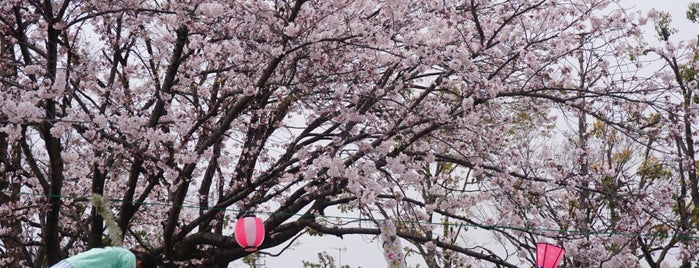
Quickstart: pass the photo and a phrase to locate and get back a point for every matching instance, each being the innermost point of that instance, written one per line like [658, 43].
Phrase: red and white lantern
[548, 256]
[249, 232]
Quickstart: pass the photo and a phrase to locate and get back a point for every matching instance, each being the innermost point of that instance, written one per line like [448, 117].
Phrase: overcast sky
[677, 9]
[366, 251]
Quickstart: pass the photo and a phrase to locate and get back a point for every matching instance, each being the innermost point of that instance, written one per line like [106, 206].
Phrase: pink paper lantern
[548, 256]
[249, 232]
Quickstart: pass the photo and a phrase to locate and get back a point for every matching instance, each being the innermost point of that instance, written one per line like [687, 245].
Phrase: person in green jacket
[108, 257]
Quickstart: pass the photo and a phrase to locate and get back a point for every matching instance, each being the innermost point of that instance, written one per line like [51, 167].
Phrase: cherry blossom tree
[670, 156]
[632, 203]
[190, 114]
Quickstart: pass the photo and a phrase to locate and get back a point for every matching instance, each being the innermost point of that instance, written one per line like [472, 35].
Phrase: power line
[482, 226]
[36, 120]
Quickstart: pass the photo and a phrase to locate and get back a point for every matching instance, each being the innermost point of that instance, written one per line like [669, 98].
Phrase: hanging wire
[360, 219]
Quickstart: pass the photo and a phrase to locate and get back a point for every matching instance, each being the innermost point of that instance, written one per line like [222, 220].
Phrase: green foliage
[662, 230]
[662, 26]
[253, 260]
[599, 129]
[651, 120]
[688, 72]
[324, 261]
[695, 214]
[613, 248]
[693, 12]
[622, 157]
[653, 170]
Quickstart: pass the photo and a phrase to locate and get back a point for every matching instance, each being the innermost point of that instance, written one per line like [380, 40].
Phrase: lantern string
[360, 219]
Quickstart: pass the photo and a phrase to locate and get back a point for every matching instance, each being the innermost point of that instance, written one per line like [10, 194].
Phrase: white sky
[366, 251]
[677, 9]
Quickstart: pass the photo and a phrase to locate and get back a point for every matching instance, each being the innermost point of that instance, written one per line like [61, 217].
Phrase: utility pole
[339, 255]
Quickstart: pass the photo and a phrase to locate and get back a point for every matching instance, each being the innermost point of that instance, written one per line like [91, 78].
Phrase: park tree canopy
[534, 120]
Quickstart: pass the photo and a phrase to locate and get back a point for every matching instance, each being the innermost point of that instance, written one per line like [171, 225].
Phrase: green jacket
[108, 257]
